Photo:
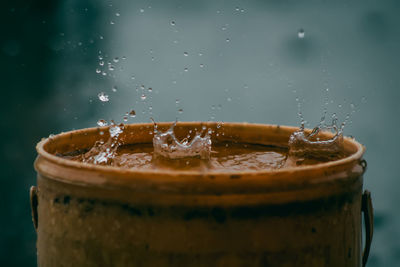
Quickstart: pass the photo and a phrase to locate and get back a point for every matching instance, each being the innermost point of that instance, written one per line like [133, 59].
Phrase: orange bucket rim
[40, 147]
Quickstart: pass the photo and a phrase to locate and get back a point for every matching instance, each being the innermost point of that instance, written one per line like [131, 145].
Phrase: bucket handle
[34, 203]
[367, 209]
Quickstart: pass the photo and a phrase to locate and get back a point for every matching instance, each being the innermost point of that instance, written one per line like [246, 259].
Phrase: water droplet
[173, 23]
[201, 65]
[237, 8]
[141, 10]
[142, 87]
[124, 57]
[101, 63]
[101, 37]
[132, 77]
[98, 70]
[301, 33]
[112, 22]
[180, 110]
[242, 10]
[104, 73]
[111, 67]
[177, 101]
[200, 54]
[102, 122]
[114, 88]
[103, 97]
[229, 99]
[228, 40]
[143, 97]
[125, 118]
[115, 130]
[185, 54]
[150, 89]
[186, 69]
[363, 99]
[132, 113]
[116, 59]
[117, 14]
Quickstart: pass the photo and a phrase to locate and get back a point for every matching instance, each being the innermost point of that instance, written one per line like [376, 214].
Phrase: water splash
[104, 152]
[167, 145]
[304, 145]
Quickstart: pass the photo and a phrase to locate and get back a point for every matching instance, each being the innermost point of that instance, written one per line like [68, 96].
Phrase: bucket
[92, 215]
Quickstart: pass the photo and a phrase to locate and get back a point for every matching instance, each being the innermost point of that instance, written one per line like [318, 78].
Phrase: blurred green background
[245, 62]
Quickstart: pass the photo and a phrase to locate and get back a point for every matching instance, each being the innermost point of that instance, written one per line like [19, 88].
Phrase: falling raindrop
[103, 97]
[301, 33]
[363, 99]
[132, 113]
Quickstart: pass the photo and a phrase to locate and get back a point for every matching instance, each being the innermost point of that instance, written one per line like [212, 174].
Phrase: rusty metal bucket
[90, 215]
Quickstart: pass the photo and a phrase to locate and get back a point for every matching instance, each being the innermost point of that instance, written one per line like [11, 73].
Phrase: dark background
[49, 53]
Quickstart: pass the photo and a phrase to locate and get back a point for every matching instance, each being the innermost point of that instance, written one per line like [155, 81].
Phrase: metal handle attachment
[34, 203]
[367, 209]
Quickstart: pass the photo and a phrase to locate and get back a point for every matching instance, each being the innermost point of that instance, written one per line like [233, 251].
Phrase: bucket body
[88, 215]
